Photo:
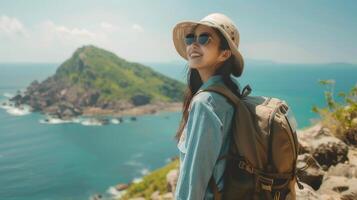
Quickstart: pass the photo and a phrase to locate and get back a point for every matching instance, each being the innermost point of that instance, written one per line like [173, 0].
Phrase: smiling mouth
[195, 55]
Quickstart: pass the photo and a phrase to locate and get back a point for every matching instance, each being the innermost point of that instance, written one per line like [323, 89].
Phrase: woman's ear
[225, 54]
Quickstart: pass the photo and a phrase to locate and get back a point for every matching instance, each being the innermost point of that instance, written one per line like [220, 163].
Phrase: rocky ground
[332, 174]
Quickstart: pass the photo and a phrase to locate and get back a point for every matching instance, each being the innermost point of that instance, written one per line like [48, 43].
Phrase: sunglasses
[202, 39]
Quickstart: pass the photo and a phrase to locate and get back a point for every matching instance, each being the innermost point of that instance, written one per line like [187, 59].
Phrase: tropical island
[95, 82]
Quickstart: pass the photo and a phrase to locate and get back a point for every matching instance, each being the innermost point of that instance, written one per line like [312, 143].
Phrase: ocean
[63, 161]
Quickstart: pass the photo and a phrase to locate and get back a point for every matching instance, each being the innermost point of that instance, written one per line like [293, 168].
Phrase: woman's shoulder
[215, 101]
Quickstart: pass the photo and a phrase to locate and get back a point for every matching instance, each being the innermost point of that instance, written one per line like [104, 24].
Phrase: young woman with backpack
[211, 48]
[231, 145]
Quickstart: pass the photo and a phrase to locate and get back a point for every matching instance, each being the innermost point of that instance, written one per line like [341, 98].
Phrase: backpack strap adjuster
[266, 183]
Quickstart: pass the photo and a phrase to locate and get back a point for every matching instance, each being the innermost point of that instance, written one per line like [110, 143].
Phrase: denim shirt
[203, 140]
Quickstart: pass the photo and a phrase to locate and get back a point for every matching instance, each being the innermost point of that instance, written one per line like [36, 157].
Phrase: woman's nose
[194, 44]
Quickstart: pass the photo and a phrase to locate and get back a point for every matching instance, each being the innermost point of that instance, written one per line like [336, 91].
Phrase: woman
[211, 48]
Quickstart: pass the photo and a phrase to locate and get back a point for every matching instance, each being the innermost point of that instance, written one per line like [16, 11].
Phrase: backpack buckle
[243, 165]
[266, 183]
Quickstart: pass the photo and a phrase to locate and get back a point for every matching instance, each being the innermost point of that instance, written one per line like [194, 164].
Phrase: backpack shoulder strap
[224, 91]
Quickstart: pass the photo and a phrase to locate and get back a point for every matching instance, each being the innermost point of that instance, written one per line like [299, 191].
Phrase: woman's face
[204, 57]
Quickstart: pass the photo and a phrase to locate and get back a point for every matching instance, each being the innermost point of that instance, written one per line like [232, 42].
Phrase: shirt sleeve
[204, 139]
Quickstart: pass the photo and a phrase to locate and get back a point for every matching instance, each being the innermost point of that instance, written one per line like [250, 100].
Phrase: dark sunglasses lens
[203, 39]
[189, 39]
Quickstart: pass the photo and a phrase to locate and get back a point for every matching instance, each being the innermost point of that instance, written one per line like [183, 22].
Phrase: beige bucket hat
[216, 20]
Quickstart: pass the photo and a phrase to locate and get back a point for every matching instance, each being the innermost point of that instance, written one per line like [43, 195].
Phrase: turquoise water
[72, 161]
[297, 84]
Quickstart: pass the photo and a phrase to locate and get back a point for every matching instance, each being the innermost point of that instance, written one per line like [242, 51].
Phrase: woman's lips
[195, 55]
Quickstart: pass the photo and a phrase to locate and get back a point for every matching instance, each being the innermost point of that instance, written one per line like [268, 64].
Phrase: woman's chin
[194, 64]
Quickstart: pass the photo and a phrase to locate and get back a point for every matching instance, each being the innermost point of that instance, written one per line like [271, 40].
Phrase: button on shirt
[203, 140]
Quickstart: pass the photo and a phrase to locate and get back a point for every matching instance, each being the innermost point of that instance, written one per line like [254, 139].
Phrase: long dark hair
[194, 82]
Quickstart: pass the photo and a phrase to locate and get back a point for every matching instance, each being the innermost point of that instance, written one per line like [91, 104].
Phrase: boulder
[325, 148]
[167, 196]
[330, 153]
[121, 186]
[171, 179]
[338, 186]
[345, 170]
[140, 99]
[313, 175]
[307, 193]
[155, 195]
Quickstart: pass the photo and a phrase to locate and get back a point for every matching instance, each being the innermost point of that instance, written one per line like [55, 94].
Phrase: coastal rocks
[121, 186]
[324, 147]
[140, 99]
[16, 98]
[171, 179]
[345, 170]
[337, 176]
[63, 110]
[337, 186]
[89, 99]
[307, 193]
[111, 105]
[330, 153]
[351, 135]
[313, 175]
[352, 156]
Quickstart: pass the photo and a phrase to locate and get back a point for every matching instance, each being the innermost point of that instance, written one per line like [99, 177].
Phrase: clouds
[69, 32]
[53, 39]
[108, 26]
[11, 27]
[50, 41]
[137, 27]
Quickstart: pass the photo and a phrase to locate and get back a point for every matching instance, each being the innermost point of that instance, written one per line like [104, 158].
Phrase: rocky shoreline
[135, 111]
[63, 103]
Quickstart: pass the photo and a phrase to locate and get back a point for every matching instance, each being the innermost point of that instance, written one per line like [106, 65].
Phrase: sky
[304, 31]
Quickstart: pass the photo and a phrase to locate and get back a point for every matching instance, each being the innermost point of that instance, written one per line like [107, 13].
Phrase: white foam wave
[8, 95]
[21, 110]
[16, 111]
[144, 171]
[168, 160]
[133, 163]
[115, 121]
[91, 122]
[51, 120]
[115, 193]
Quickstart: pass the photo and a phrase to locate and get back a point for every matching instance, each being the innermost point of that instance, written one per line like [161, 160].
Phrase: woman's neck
[205, 75]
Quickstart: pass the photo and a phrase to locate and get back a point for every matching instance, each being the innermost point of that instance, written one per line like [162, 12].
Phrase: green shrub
[340, 118]
[155, 180]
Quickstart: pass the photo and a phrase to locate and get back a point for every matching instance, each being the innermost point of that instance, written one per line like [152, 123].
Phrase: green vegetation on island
[95, 68]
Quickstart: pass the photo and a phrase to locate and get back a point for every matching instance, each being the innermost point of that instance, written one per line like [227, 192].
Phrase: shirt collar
[211, 80]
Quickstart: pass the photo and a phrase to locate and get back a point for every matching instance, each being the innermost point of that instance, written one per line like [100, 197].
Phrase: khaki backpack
[261, 163]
